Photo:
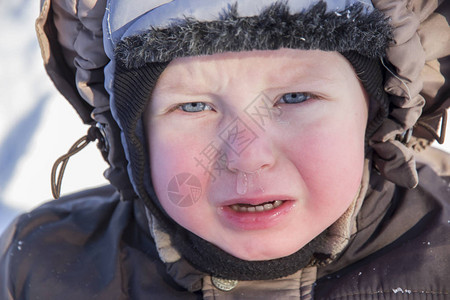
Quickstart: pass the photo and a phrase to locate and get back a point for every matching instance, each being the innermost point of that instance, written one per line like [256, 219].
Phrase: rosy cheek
[330, 162]
[172, 158]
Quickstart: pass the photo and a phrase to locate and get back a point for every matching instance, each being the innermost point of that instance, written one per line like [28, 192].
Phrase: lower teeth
[257, 208]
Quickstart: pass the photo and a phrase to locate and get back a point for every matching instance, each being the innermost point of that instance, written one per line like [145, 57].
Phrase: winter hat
[141, 49]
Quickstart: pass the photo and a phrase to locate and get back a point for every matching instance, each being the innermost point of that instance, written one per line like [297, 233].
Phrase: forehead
[273, 67]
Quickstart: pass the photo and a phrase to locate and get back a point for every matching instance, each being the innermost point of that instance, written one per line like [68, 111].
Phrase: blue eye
[291, 98]
[193, 107]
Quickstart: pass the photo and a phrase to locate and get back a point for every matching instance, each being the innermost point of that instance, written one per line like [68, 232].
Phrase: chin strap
[93, 134]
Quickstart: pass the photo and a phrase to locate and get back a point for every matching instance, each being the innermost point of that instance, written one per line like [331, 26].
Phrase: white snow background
[37, 125]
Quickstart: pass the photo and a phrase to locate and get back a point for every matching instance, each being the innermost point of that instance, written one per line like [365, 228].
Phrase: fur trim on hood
[274, 28]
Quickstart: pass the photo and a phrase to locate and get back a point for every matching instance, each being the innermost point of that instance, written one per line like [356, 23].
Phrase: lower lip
[255, 220]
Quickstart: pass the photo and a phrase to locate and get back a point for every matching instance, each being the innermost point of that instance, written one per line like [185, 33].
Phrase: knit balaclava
[353, 28]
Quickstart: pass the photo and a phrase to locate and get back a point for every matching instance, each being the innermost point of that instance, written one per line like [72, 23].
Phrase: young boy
[257, 150]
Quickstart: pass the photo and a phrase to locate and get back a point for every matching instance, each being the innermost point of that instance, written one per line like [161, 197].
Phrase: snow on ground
[37, 125]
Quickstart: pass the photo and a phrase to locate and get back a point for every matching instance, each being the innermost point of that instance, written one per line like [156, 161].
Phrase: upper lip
[256, 200]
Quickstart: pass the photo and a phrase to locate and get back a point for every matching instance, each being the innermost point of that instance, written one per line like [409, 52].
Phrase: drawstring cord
[92, 135]
[441, 114]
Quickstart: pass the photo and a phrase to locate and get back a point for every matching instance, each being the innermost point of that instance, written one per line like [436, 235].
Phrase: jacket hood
[79, 44]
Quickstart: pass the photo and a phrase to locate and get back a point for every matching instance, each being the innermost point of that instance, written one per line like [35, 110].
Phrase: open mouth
[256, 213]
[266, 206]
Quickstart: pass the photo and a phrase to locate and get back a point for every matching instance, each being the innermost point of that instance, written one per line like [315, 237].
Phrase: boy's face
[280, 131]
